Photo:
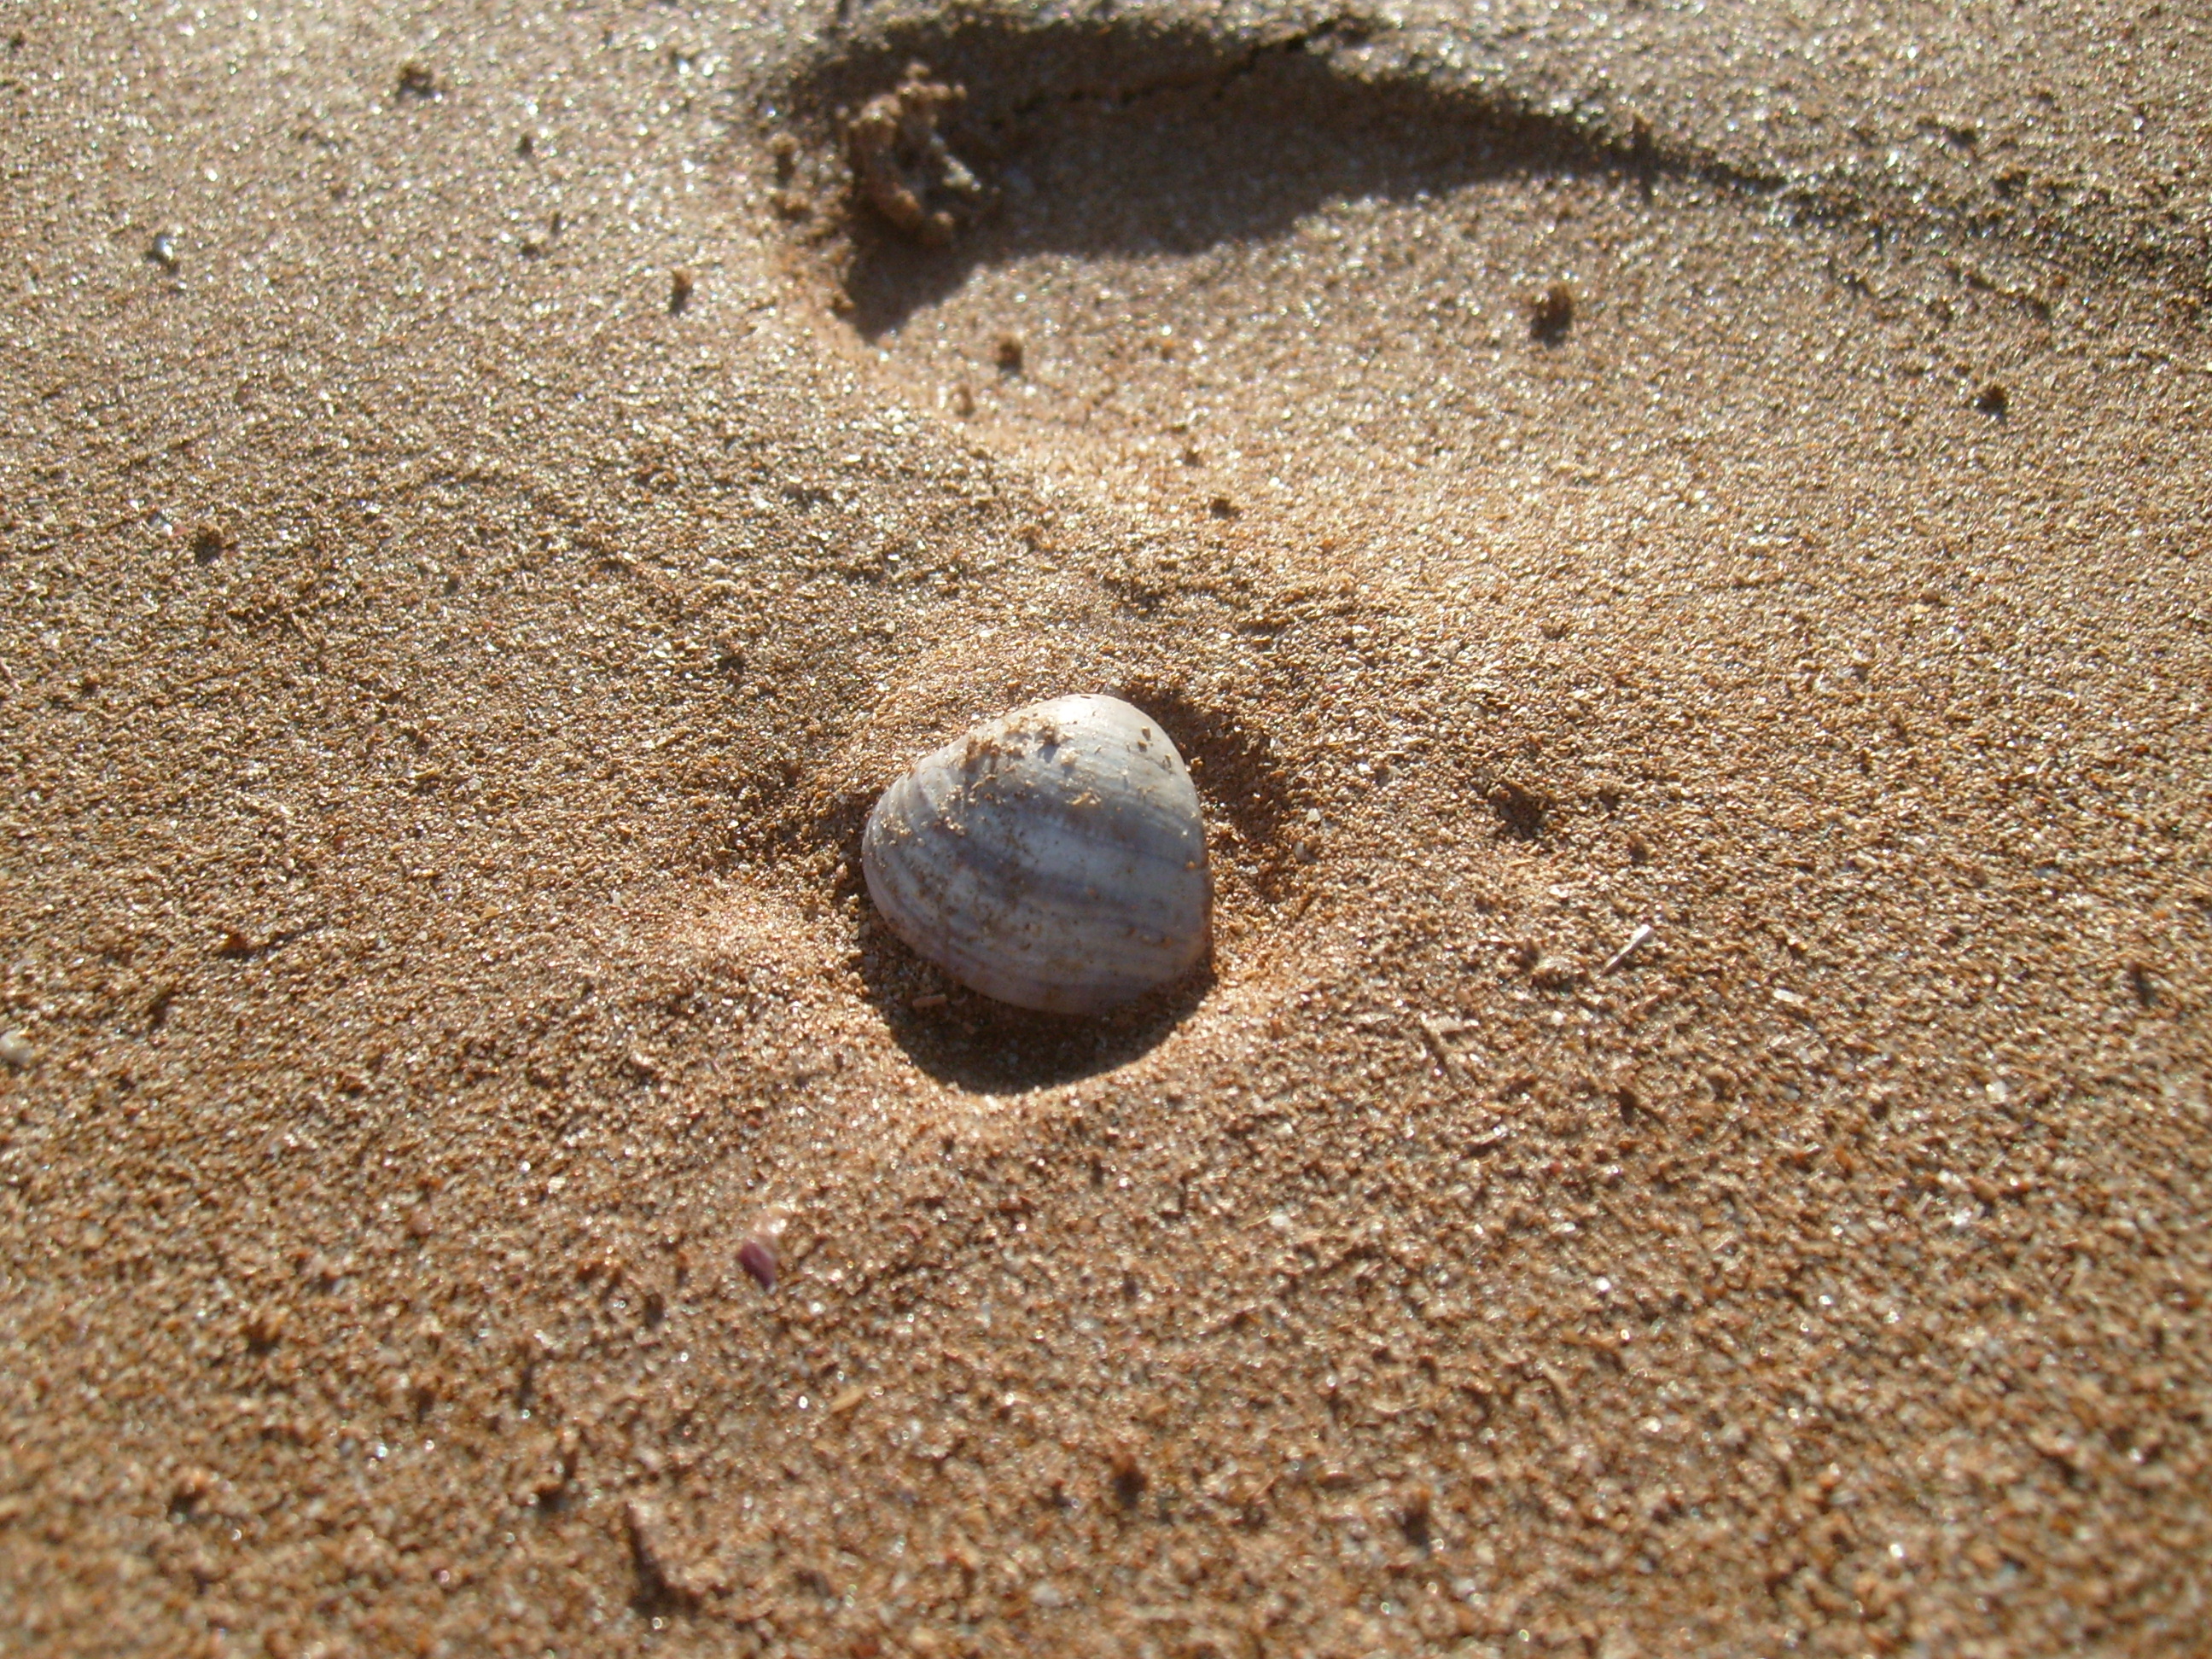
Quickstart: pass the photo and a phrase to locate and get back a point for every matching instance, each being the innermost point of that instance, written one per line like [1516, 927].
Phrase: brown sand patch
[443, 670]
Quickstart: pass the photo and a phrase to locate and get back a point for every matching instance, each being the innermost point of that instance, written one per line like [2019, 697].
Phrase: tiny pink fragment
[757, 1257]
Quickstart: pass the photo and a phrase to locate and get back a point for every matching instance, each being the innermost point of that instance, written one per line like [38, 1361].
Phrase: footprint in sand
[1230, 283]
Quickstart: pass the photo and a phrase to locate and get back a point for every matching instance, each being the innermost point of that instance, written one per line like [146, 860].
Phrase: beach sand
[1674, 542]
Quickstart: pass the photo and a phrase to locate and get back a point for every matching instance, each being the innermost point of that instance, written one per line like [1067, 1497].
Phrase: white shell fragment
[1053, 857]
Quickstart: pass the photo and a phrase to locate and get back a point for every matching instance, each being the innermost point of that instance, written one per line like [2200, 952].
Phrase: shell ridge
[1033, 860]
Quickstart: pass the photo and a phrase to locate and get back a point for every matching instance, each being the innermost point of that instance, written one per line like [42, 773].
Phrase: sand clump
[901, 164]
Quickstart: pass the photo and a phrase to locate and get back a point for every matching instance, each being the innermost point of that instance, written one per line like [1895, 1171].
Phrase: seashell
[1053, 857]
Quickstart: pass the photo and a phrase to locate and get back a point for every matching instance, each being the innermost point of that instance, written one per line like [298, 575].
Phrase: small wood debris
[1635, 942]
[679, 291]
[2142, 983]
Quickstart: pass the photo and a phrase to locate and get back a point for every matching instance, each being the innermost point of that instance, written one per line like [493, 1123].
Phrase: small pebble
[162, 251]
[757, 1253]
[757, 1257]
[15, 1050]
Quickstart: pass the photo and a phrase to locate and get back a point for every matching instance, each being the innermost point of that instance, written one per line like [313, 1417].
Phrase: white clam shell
[1053, 857]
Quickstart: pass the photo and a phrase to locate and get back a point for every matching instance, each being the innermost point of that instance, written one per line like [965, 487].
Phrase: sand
[1673, 541]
